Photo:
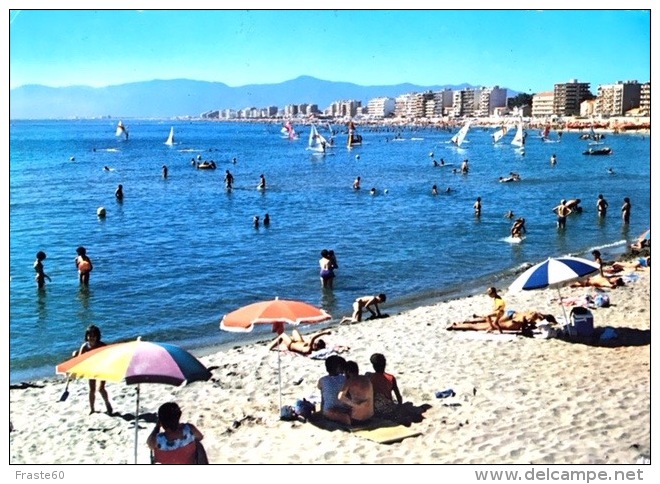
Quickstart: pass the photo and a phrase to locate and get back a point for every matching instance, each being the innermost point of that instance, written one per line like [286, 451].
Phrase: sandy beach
[518, 400]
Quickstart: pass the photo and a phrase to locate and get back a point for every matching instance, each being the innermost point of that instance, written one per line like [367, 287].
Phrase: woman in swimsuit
[327, 273]
[298, 344]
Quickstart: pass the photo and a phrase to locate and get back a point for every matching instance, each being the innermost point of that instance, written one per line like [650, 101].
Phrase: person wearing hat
[562, 212]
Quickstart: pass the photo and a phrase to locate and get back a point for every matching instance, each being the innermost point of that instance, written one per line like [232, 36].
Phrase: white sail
[121, 130]
[519, 138]
[170, 138]
[499, 134]
[458, 138]
[316, 141]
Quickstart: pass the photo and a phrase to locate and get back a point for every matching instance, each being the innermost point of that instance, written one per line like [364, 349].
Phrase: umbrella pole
[137, 413]
[279, 378]
[562, 306]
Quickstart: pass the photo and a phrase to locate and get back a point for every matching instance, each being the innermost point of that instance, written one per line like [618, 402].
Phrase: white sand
[518, 401]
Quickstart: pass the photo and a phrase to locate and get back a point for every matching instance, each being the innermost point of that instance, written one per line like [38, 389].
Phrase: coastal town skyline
[108, 47]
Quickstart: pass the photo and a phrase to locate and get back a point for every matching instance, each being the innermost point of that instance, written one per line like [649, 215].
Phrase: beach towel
[376, 429]
[326, 352]
[631, 277]
[480, 335]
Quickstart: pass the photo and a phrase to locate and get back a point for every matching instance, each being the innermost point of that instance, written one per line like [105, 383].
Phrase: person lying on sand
[600, 281]
[511, 321]
[638, 264]
[297, 343]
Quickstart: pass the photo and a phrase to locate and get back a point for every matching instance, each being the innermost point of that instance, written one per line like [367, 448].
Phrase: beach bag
[602, 300]
[305, 408]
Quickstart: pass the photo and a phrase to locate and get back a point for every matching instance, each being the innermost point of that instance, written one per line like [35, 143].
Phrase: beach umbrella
[137, 362]
[276, 312]
[554, 273]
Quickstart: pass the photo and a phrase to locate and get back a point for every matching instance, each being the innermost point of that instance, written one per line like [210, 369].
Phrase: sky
[525, 50]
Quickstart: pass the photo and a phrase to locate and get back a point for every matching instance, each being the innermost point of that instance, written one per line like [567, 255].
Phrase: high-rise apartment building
[381, 107]
[645, 99]
[617, 99]
[569, 96]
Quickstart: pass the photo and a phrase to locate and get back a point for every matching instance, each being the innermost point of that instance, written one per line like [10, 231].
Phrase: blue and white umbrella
[554, 273]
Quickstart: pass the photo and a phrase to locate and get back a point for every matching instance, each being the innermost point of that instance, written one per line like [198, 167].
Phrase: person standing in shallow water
[477, 207]
[601, 206]
[84, 265]
[119, 193]
[625, 210]
[39, 268]
[165, 171]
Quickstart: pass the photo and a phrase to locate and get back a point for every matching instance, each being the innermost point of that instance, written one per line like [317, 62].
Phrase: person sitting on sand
[176, 444]
[298, 344]
[330, 386]
[384, 385]
[511, 321]
[369, 303]
[498, 309]
[642, 242]
[358, 394]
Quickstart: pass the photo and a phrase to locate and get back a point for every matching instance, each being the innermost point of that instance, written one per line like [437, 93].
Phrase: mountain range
[185, 97]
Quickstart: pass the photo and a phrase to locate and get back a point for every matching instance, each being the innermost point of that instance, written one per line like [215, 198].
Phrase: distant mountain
[184, 97]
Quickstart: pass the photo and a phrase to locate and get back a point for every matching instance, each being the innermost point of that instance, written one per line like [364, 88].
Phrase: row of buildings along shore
[628, 99]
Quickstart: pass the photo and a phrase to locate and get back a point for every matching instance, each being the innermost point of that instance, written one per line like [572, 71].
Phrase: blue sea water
[178, 254]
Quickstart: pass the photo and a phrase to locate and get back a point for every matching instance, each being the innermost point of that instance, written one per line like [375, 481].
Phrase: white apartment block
[543, 104]
[489, 99]
[381, 107]
[645, 99]
[617, 99]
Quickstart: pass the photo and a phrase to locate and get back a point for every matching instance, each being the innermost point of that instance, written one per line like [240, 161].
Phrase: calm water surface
[179, 253]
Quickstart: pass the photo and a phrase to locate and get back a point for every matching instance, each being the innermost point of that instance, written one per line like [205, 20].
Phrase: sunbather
[511, 321]
[600, 281]
[297, 343]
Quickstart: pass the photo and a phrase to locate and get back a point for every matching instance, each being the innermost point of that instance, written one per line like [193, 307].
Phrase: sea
[177, 254]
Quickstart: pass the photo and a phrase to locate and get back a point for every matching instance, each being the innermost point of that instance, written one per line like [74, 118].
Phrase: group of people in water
[82, 261]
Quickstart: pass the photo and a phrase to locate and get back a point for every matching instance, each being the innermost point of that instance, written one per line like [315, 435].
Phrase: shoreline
[395, 305]
[518, 400]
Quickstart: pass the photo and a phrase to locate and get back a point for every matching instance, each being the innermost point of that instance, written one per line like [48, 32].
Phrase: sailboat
[500, 133]
[288, 131]
[170, 138]
[317, 142]
[458, 138]
[354, 139]
[545, 135]
[121, 130]
[519, 138]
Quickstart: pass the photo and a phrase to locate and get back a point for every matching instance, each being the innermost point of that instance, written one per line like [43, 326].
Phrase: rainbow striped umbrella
[137, 362]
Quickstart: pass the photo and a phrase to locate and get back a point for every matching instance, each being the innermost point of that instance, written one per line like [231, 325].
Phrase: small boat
[354, 139]
[206, 165]
[459, 137]
[499, 134]
[317, 143]
[598, 151]
[121, 130]
[519, 138]
[170, 138]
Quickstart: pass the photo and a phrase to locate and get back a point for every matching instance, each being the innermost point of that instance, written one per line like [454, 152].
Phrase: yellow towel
[387, 435]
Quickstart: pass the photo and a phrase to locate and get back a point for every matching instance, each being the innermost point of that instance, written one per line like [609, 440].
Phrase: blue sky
[528, 51]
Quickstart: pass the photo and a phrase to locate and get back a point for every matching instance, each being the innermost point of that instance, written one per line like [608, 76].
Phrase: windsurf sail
[121, 130]
[458, 138]
[519, 138]
[316, 141]
[500, 133]
[288, 131]
[546, 132]
[354, 139]
[170, 138]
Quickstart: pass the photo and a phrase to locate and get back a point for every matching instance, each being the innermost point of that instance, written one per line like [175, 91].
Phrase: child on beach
[84, 265]
[177, 443]
[369, 303]
[39, 267]
[93, 341]
[384, 385]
